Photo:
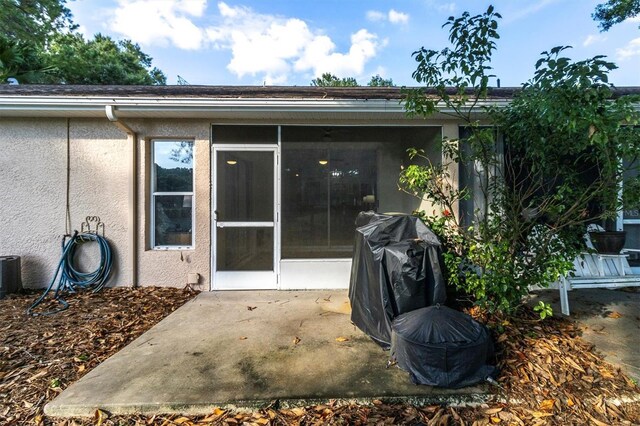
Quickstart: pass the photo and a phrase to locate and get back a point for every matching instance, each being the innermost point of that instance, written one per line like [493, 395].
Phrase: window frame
[154, 194]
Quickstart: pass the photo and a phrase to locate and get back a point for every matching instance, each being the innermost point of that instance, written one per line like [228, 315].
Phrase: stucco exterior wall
[33, 161]
[170, 267]
[33, 165]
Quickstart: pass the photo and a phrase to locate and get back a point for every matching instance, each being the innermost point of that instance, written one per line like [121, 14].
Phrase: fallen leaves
[551, 376]
[556, 376]
[41, 356]
[547, 405]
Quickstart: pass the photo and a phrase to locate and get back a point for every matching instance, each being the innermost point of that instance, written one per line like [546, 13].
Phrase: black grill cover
[440, 346]
[397, 267]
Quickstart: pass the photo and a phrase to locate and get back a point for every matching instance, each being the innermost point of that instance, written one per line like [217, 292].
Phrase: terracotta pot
[608, 242]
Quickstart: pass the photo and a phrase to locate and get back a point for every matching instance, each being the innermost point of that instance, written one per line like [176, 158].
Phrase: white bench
[593, 270]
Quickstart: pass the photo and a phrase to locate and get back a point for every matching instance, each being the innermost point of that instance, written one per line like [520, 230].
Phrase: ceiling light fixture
[323, 162]
[232, 162]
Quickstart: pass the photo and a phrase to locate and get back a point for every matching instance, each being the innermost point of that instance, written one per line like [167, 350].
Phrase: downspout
[132, 140]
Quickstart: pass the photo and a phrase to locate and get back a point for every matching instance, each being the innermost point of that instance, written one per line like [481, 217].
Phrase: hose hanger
[92, 225]
[69, 278]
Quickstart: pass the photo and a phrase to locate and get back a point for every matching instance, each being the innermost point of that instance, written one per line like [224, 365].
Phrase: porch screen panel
[244, 134]
[330, 174]
[245, 186]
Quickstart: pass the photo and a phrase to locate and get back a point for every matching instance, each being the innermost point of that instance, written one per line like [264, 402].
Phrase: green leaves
[463, 67]
[329, 80]
[615, 11]
[555, 167]
[101, 61]
[39, 45]
[543, 309]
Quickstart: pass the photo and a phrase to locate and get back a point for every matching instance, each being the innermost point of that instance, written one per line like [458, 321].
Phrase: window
[172, 212]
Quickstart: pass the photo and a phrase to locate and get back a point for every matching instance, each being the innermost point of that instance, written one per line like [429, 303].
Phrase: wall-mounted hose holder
[69, 277]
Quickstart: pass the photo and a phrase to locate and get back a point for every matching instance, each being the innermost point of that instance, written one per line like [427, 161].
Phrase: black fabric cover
[440, 346]
[397, 267]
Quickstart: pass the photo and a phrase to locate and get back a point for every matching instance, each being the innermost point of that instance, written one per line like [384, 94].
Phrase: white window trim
[155, 193]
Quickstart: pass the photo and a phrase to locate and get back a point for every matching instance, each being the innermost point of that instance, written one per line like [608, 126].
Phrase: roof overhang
[258, 108]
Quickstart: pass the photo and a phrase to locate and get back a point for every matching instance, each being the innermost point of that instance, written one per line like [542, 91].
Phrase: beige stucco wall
[32, 190]
[170, 267]
[32, 194]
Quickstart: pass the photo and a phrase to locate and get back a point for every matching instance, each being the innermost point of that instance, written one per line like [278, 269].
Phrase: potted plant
[606, 238]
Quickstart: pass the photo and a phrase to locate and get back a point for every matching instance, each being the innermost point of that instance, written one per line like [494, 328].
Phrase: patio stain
[261, 367]
[253, 378]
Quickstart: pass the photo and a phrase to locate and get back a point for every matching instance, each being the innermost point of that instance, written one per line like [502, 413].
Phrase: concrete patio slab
[609, 319]
[246, 350]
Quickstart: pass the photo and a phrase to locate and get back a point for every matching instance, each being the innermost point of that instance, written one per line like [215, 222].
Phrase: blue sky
[289, 42]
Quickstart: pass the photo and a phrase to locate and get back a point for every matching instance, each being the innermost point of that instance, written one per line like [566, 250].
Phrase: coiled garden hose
[69, 278]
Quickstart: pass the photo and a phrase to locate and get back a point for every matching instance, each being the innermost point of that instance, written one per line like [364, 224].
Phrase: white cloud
[447, 7]
[392, 16]
[264, 46]
[84, 31]
[396, 17]
[630, 50]
[319, 56]
[273, 47]
[375, 16]
[520, 13]
[160, 22]
[593, 38]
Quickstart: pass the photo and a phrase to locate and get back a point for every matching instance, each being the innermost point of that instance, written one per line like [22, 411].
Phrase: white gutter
[132, 140]
[147, 104]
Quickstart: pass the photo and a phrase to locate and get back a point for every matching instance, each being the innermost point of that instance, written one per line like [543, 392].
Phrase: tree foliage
[38, 44]
[101, 60]
[34, 21]
[378, 81]
[329, 80]
[615, 11]
[551, 165]
[22, 61]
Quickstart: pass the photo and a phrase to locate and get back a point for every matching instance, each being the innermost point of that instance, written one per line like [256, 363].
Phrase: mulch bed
[549, 376]
[41, 356]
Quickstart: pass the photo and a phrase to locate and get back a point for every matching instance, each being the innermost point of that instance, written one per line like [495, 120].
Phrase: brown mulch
[549, 376]
[41, 356]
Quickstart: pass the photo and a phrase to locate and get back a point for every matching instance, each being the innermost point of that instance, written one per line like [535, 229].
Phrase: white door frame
[245, 280]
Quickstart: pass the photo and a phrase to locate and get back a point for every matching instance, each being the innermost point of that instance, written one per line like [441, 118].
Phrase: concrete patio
[247, 350]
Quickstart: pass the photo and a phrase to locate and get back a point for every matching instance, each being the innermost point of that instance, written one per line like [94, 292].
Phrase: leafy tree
[34, 21]
[563, 138]
[38, 44]
[329, 80]
[101, 61]
[22, 61]
[615, 11]
[378, 81]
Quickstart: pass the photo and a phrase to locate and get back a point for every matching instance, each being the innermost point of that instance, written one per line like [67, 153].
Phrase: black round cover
[440, 346]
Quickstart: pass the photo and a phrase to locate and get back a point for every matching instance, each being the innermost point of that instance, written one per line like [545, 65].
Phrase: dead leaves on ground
[557, 377]
[41, 356]
[549, 376]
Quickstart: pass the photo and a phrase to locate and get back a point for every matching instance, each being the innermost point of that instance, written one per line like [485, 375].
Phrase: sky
[290, 42]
